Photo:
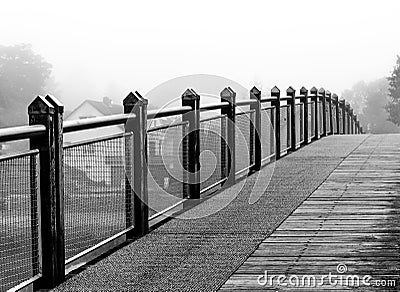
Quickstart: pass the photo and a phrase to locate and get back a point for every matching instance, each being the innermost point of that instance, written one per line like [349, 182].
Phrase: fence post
[336, 105]
[321, 91]
[314, 92]
[348, 117]
[290, 92]
[343, 106]
[128, 104]
[350, 120]
[330, 117]
[304, 100]
[355, 124]
[59, 154]
[192, 99]
[256, 94]
[41, 112]
[136, 104]
[275, 92]
[228, 95]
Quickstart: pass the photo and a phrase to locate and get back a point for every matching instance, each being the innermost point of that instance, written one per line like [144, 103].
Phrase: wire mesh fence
[341, 130]
[19, 219]
[327, 118]
[213, 147]
[334, 118]
[244, 140]
[299, 123]
[285, 127]
[166, 155]
[320, 118]
[267, 132]
[95, 191]
[311, 120]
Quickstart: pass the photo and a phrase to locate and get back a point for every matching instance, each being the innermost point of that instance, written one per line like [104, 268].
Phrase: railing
[64, 203]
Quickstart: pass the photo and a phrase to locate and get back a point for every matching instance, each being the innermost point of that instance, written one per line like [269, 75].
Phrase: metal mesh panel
[212, 131]
[299, 122]
[333, 109]
[19, 239]
[165, 157]
[285, 127]
[327, 118]
[311, 119]
[95, 197]
[244, 140]
[340, 120]
[320, 118]
[267, 132]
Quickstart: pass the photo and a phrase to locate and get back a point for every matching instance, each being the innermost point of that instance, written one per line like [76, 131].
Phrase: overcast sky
[109, 48]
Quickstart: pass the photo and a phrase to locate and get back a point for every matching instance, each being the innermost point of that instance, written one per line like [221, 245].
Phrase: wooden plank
[352, 218]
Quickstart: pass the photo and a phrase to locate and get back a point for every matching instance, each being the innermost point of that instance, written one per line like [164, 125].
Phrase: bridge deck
[201, 254]
[349, 226]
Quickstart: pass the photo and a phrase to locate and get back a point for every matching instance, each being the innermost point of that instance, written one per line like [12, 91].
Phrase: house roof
[105, 109]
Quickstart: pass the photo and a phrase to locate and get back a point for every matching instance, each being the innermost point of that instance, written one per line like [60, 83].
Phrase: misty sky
[109, 48]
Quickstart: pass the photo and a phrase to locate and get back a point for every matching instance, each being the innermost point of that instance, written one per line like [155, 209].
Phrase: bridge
[276, 193]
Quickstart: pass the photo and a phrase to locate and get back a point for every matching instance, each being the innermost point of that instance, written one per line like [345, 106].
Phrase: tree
[23, 75]
[369, 101]
[357, 96]
[393, 107]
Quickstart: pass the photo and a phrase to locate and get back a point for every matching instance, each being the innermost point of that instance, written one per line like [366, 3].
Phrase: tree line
[377, 103]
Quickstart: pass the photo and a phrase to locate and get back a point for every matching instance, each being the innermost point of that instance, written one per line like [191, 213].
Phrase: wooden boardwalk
[349, 227]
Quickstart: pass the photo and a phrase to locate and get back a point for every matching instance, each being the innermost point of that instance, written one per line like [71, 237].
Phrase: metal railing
[92, 193]
[19, 233]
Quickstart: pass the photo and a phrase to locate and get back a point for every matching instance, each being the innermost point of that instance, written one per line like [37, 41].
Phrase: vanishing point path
[330, 207]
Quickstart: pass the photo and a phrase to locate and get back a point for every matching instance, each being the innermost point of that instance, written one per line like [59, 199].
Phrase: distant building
[91, 109]
[102, 162]
[95, 161]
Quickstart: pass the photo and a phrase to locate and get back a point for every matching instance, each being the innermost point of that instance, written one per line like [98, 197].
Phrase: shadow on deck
[334, 201]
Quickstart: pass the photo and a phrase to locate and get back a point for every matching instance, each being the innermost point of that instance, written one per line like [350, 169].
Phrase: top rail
[154, 114]
[267, 99]
[90, 123]
[21, 132]
[283, 98]
[214, 106]
[246, 102]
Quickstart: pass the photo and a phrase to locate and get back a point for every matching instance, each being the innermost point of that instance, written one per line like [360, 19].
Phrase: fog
[108, 49]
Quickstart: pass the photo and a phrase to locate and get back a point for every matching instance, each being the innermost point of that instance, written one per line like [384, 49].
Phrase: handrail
[246, 102]
[154, 114]
[90, 123]
[267, 99]
[214, 106]
[270, 99]
[21, 132]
